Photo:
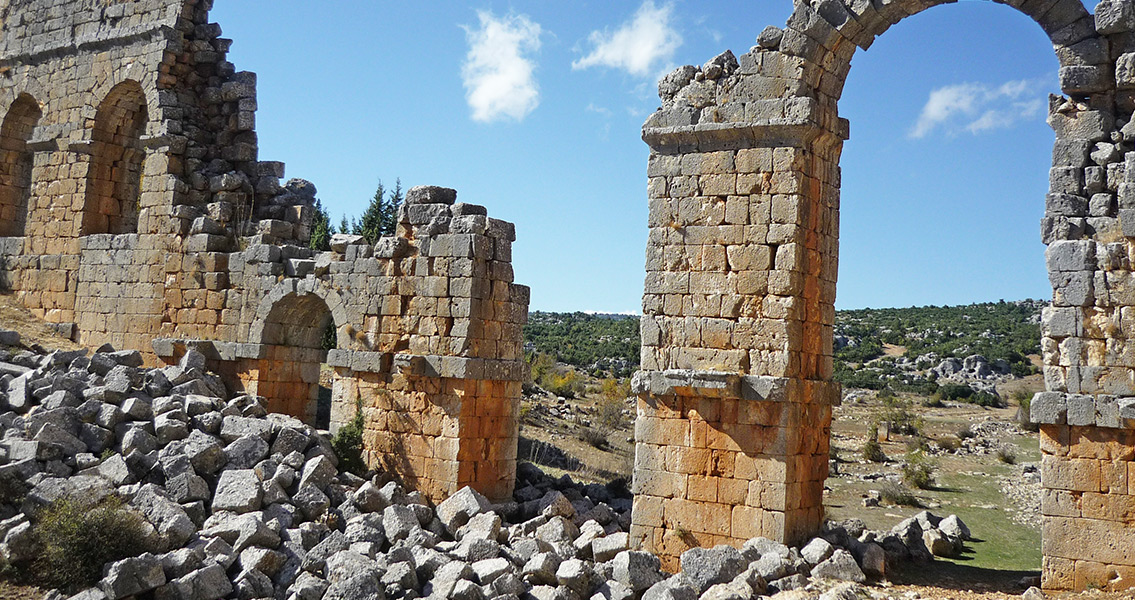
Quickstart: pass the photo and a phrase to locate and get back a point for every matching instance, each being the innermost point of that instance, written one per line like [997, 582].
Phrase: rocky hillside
[118, 481]
[913, 349]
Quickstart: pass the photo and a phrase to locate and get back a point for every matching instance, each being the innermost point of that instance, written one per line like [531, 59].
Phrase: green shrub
[593, 437]
[1025, 400]
[896, 493]
[564, 382]
[609, 408]
[896, 415]
[963, 393]
[872, 451]
[918, 470]
[949, 444]
[77, 536]
[1007, 455]
[917, 443]
[348, 444]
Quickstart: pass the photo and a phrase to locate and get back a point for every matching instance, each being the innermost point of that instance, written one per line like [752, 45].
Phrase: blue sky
[534, 109]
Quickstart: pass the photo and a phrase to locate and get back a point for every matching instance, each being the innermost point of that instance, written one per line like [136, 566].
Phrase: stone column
[735, 398]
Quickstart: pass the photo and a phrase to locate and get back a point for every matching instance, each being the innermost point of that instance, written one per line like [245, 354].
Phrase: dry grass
[32, 329]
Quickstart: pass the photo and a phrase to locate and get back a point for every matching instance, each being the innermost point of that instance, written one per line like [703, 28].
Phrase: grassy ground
[968, 485]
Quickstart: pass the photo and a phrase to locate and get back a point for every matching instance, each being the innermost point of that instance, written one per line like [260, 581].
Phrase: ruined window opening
[114, 178]
[16, 164]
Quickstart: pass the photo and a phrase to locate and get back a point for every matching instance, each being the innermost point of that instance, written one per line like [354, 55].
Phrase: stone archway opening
[114, 176]
[968, 216]
[16, 162]
[299, 331]
[736, 392]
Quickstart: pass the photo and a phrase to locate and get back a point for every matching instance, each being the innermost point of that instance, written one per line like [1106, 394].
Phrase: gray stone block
[1071, 255]
[1049, 408]
[1080, 410]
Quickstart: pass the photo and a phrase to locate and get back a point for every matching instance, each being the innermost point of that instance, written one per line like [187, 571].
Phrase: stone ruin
[736, 392]
[135, 211]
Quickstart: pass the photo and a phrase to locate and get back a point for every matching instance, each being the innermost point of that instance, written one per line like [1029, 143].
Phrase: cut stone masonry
[135, 211]
[741, 280]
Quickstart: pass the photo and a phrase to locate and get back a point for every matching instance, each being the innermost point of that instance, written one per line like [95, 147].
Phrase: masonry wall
[741, 269]
[141, 215]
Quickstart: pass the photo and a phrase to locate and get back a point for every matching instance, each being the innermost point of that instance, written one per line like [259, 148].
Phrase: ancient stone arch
[288, 376]
[736, 397]
[16, 162]
[114, 176]
[153, 224]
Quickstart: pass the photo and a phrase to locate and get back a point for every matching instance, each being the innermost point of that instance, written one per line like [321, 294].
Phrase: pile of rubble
[244, 504]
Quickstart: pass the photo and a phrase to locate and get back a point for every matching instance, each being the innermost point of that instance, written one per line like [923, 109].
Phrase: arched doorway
[736, 394]
[16, 164]
[114, 177]
[297, 334]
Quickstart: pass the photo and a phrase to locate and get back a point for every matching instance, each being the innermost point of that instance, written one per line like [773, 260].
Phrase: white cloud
[978, 107]
[638, 46]
[498, 75]
[595, 108]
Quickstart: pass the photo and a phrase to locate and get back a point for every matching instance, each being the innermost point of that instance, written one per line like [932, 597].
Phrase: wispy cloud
[640, 46]
[498, 73]
[978, 107]
[595, 108]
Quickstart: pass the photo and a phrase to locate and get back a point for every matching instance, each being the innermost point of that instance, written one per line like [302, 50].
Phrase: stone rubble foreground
[246, 504]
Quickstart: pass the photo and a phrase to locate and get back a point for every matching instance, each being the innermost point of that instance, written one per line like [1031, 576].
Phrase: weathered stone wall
[137, 212]
[741, 270]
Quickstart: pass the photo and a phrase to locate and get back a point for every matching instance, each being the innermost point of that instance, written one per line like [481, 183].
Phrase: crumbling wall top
[37, 27]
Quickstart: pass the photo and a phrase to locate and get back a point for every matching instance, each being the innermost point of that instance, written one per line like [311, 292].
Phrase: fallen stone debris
[244, 504]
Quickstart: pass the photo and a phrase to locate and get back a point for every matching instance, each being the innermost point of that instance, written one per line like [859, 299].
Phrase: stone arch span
[16, 163]
[290, 330]
[114, 174]
[736, 392]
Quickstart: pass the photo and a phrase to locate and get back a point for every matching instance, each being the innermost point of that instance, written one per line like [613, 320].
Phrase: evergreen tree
[381, 215]
[321, 229]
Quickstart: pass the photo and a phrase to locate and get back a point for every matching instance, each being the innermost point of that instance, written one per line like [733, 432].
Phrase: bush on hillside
[77, 536]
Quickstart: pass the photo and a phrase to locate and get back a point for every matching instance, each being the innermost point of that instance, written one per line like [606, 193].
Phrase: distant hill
[592, 341]
[921, 336]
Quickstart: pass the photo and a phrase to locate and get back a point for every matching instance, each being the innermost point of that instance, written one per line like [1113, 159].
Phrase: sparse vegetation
[601, 344]
[1007, 455]
[77, 536]
[872, 450]
[594, 437]
[896, 415]
[561, 380]
[963, 393]
[948, 444]
[348, 444]
[609, 408]
[897, 494]
[1024, 401]
[918, 470]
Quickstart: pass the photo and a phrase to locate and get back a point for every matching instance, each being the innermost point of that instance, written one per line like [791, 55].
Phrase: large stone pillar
[735, 398]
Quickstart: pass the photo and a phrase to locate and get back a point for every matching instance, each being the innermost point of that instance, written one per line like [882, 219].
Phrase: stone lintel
[224, 351]
[459, 367]
[798, 125]
[711, 384]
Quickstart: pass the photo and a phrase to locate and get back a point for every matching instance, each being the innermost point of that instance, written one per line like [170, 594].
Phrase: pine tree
[321, 229]
[381, 216]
